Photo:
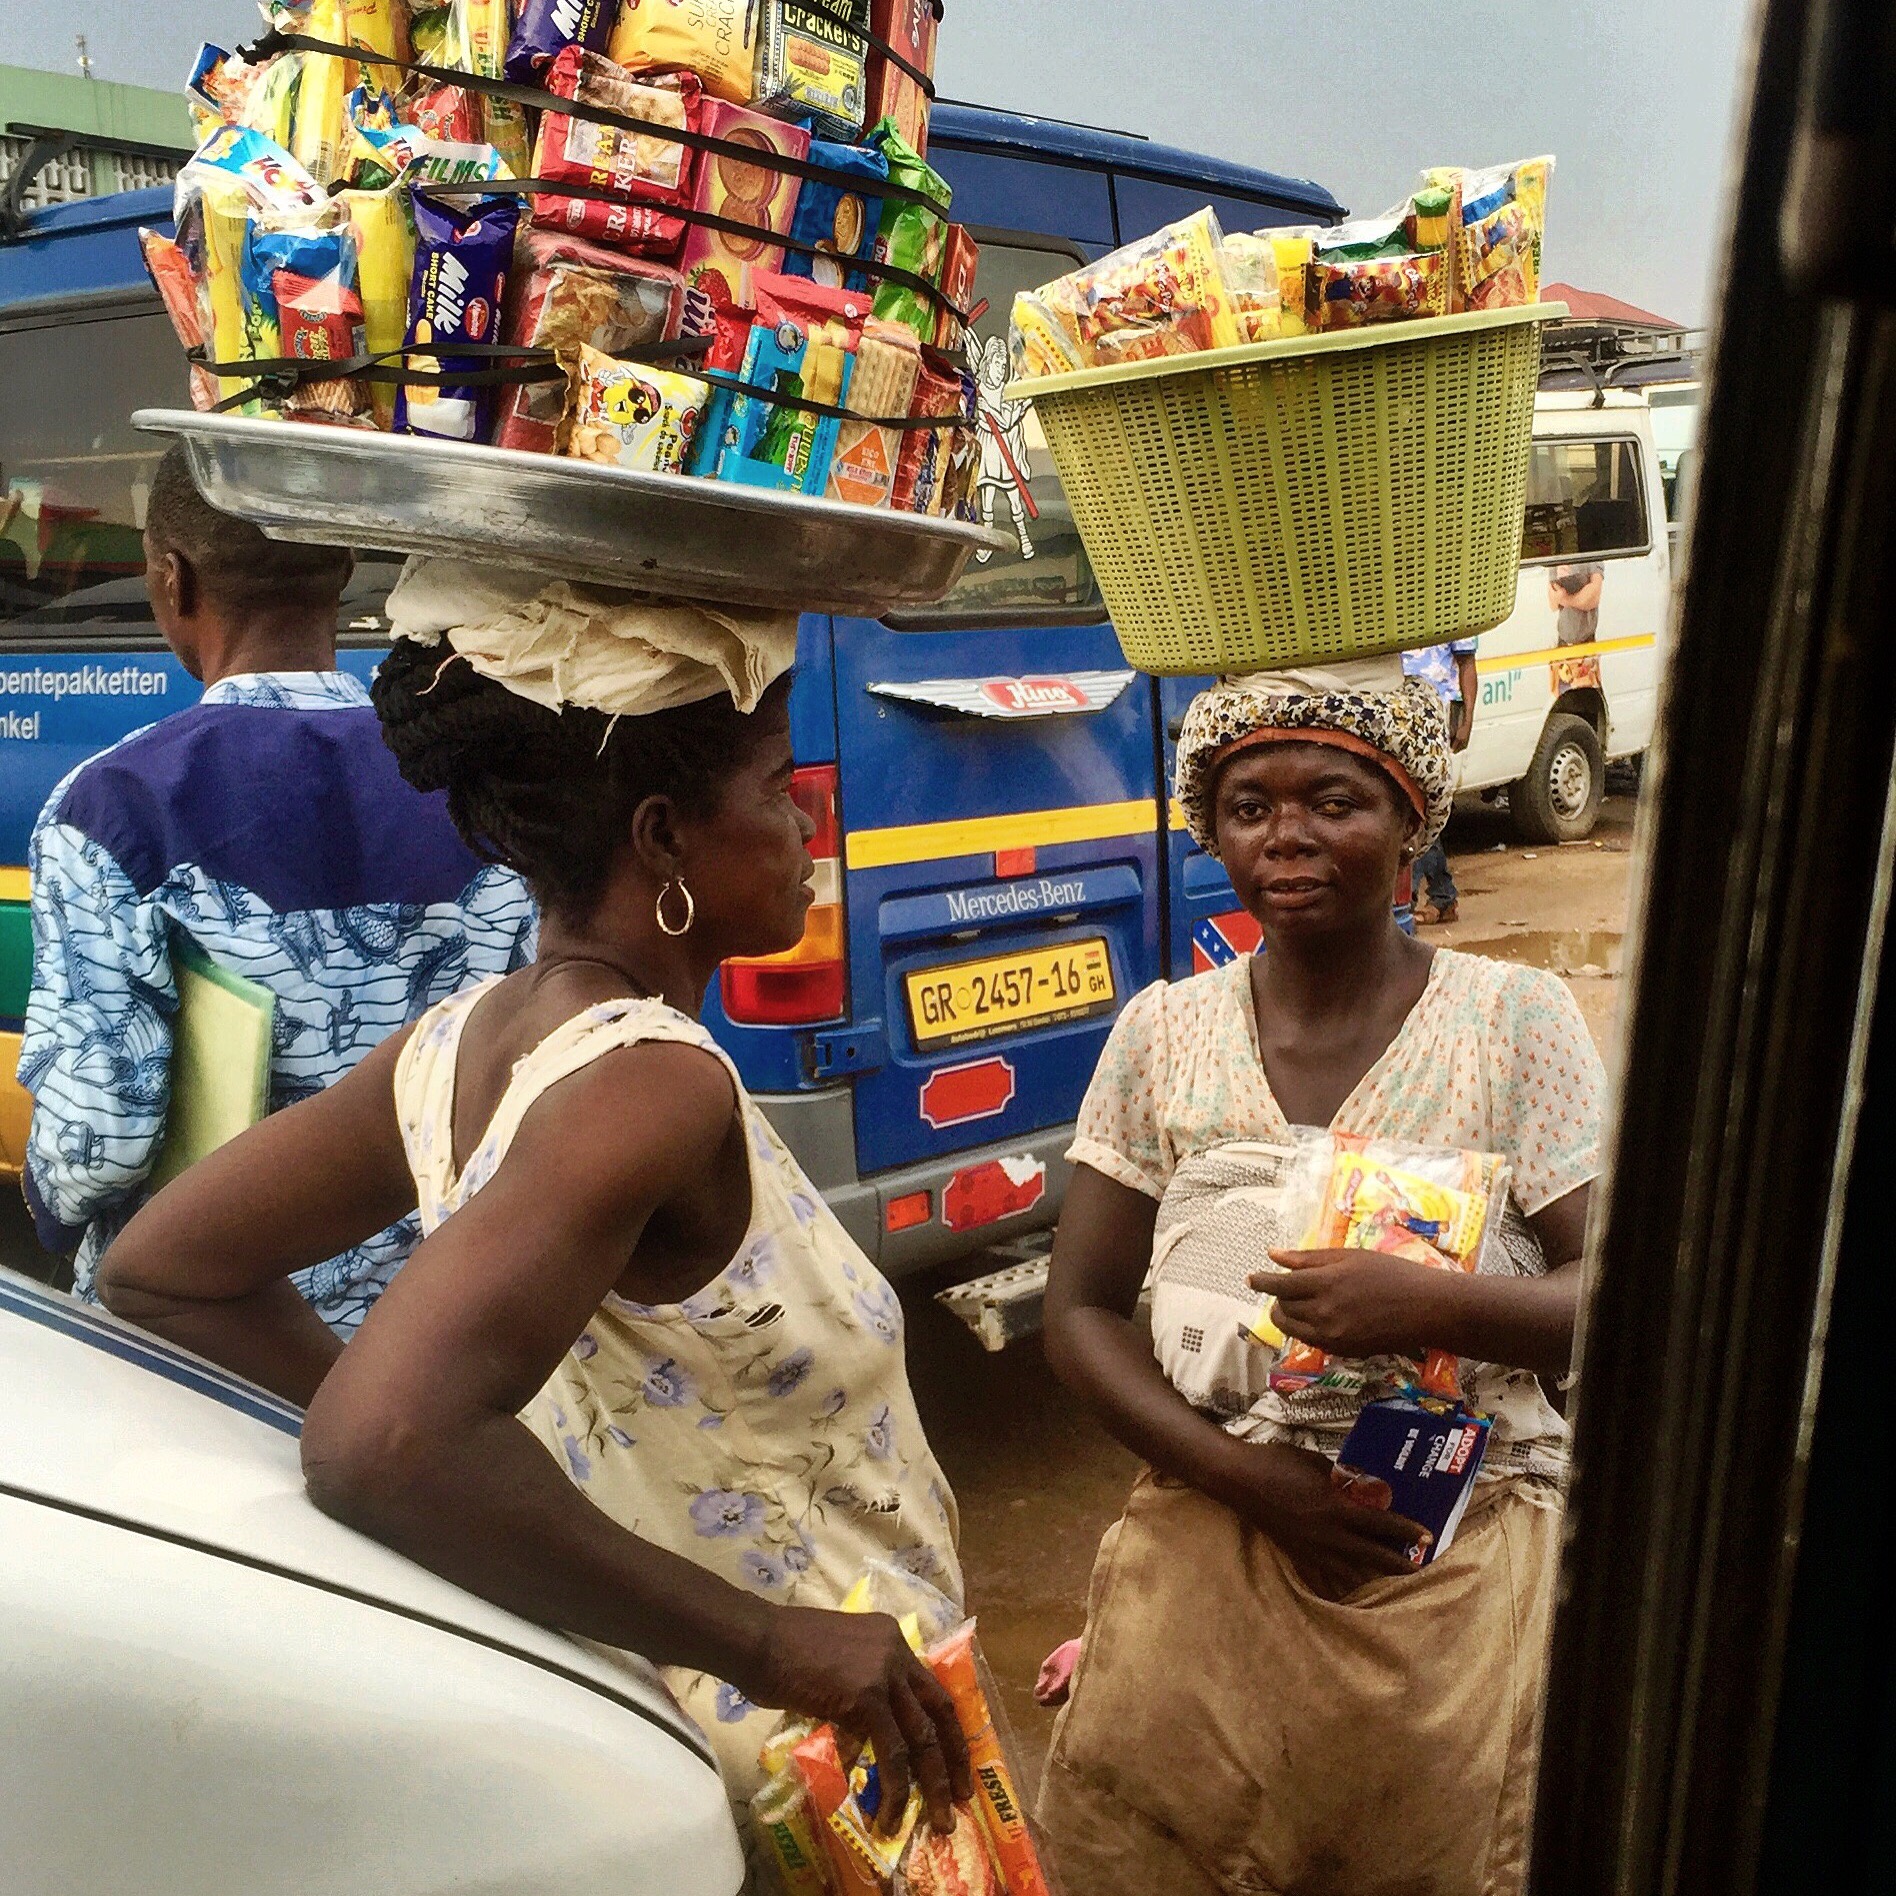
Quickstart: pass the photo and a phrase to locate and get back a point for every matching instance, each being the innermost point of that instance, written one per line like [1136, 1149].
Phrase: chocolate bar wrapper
[918, 474]
[718, 268]
[839, 222]
[561, 292]
[546, 28]
[461, 260]
[910, 236]
[623, 414]
[888, 365]
[716, 39]
[1416, 1456]
[960, 261]
[813, 63]
[652, 176]
[910, 27]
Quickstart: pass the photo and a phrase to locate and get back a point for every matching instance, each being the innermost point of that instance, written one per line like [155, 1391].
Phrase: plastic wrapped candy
[1163, 296]
[1250, 267]
[1437, 1207]
[1496, 222]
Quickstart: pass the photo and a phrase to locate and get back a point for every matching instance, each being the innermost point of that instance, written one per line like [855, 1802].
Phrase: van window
[1675, 413]
[1584, 497]
[74, 473]
[1044, 576]
[1146, 205]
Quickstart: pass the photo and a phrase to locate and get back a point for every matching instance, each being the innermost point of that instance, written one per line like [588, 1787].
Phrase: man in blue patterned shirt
[270, 826]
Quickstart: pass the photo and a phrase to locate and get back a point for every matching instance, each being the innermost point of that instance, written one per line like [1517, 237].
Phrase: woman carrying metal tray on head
[1271, 1694]
[637, 1383]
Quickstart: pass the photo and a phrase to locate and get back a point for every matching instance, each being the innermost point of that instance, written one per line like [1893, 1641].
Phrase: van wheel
[1558, 801]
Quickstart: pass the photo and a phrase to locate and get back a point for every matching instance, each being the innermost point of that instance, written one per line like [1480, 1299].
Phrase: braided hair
[551, 793]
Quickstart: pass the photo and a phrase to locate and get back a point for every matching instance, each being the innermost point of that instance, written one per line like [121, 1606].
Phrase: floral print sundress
[764, 1427]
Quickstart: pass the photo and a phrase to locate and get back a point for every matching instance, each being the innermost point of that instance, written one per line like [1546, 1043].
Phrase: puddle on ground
[1577, 951]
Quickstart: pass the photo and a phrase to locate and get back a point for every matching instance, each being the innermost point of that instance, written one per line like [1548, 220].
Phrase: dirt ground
[1038, 1480]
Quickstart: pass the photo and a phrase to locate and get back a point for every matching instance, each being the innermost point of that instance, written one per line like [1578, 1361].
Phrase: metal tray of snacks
[659, 533]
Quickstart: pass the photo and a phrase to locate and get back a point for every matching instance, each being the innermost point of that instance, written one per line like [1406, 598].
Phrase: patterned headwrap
[1367, 707]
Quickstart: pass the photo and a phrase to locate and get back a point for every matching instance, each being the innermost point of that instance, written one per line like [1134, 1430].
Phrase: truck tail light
[809, 982]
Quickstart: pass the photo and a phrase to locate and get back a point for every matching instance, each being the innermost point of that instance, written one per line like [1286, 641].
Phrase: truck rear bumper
[820, 1129]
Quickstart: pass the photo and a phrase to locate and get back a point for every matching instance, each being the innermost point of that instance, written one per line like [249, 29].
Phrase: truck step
[1004, 1305]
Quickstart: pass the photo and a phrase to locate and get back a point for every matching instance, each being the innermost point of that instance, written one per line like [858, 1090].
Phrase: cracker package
[960, 262]
[912, 237]
[896, 91]
[834, 220]
[623, 414]
[1165, 295]
[651, 176]
[1437, 1207]
[802, 345]
[925, 451]
[462, 255]
[718, 265]
[813, 63]
[563, 292]
[888, 365]
[716, 39]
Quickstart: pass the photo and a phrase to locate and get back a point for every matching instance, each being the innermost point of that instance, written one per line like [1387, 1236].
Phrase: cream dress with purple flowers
[763, 1428]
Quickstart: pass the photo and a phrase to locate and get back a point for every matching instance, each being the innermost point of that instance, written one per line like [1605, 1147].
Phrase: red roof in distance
[1592, 306]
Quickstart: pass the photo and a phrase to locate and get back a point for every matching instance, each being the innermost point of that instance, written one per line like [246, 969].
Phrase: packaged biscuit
[1163, 296]
[786, 1820]
[838, 222]
[921, 472]
[652, 175]
[955, 498]
[1349, 292]
[544, 29]
[449, 114]
[716, 39]
[908, 28]
[462, 254]
[960, 262]
[1437, 1207]
[624, 414]
[306, 279]
[561, 292]
[729, 342]
[819, 1762]
[912, 237]
[263, 176]
[888, 365]
[717, 265]
[384, 234]
[1496, 222]
[1250, 267]
[813, 63]
[802, 345]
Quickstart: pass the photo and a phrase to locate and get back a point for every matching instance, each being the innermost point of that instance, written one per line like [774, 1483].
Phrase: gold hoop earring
[691, 907]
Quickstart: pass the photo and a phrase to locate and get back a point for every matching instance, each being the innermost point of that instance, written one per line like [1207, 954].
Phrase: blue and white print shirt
[1436, 665]
[270, 825]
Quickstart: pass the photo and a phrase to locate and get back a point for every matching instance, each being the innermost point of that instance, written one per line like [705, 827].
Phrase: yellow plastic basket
[1312, 499]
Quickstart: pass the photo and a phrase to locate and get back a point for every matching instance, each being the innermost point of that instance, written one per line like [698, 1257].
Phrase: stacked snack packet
[1464, 240]
[820, 1812]
[690, 161]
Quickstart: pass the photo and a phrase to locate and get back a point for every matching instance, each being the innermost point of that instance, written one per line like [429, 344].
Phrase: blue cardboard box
[1416, 1456]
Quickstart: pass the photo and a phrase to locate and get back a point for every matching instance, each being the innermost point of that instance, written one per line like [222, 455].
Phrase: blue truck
[1001, 868]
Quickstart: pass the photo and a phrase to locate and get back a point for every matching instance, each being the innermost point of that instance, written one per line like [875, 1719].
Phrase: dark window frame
[1636, 446]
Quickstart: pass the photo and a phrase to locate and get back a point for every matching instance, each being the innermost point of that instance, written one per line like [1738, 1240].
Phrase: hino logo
[1035, 694]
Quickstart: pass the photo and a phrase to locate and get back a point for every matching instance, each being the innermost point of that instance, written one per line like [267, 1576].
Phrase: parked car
[206, 1685]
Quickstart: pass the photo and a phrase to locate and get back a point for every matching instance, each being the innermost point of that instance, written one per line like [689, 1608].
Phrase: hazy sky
[1634, 97]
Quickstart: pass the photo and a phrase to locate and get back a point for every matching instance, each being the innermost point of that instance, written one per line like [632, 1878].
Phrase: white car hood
[99, 1418]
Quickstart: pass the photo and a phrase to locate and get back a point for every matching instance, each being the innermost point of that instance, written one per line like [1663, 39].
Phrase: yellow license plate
[974, 1000]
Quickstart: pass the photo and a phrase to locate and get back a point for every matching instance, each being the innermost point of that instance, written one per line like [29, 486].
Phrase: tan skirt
[1231, 1732]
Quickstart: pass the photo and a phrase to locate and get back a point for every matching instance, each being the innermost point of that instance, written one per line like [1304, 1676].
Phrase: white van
[1571, 678]
[206, 1686]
